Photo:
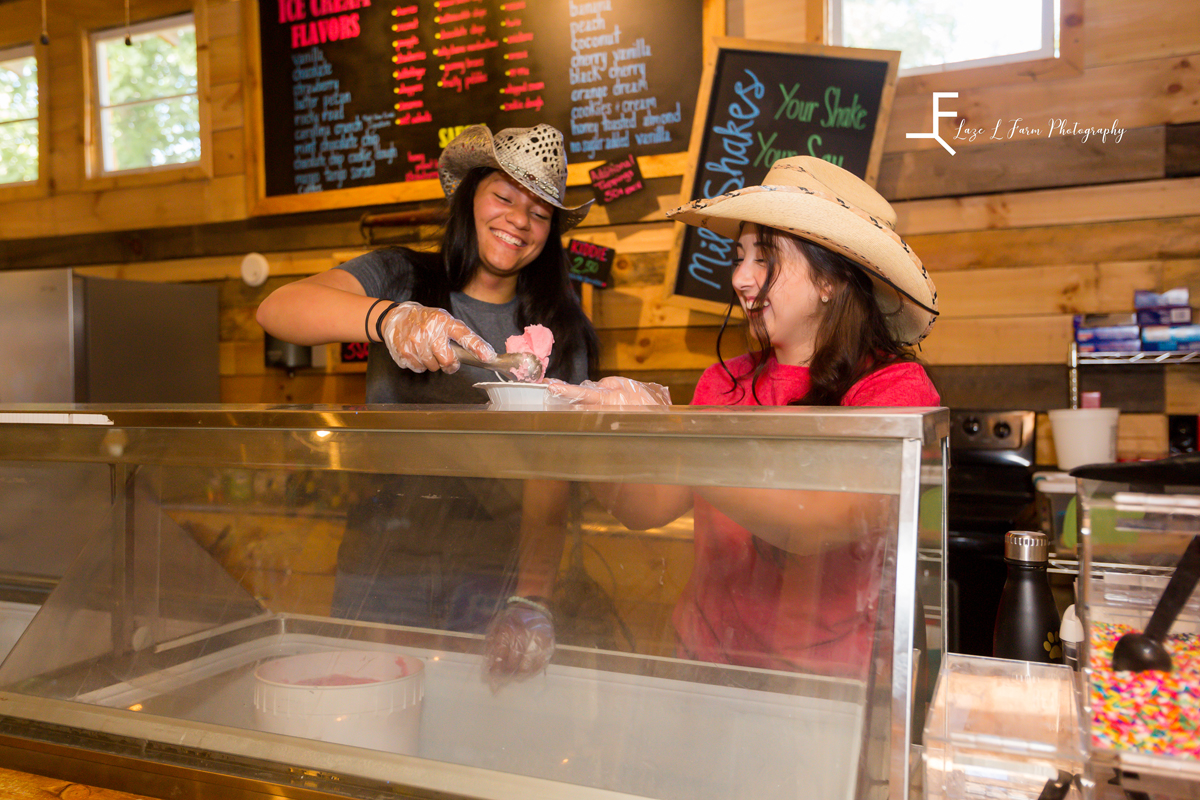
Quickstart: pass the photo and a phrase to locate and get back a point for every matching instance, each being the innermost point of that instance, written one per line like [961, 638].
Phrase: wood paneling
[1016, 165]
[224, 18]
[1168, 238]
[1136, 95]
[1041, 339]
[228, 109]
[1122, 31]
[1024, 291]
[1109, 203]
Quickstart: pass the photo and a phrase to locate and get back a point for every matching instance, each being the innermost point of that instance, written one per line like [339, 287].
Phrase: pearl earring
[824, 299]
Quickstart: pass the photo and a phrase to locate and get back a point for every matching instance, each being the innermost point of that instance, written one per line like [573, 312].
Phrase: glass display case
[1142, 725]
[680, 603]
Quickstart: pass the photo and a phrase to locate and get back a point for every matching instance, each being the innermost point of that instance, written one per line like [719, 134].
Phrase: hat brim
[903, 290]
[476, 147]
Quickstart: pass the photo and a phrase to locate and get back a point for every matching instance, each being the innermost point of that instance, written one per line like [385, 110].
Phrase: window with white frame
[147, 100]
[18, 115]
[939, 35]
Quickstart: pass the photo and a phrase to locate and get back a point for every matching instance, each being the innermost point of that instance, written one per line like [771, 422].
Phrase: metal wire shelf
[1075, 359]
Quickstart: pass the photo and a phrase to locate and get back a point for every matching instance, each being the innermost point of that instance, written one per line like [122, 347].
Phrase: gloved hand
[518, 644]
[612, 391]
[419, 338]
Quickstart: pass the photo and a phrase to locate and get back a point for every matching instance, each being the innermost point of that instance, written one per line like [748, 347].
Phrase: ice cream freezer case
[168, 656]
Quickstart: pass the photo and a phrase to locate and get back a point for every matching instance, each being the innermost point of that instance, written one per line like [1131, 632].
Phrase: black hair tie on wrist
[367, 321]
[379, 320]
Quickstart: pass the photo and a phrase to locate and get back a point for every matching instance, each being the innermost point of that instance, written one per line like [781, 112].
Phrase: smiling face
[511, 225]
[790, 309]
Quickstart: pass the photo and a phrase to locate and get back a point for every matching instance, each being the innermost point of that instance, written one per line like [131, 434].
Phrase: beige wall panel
[629, 351]
[22, 23]
[239, 324]
[642, 307]
[775, 20]
[1120, 31]
[1183, 389]
[305, 387]
[645, 238]
[187, 203]
[1025, 291]
[225, 60]
[1171, 238]
[185, 270]
[1183, 273]
[244, 357]
[999, 340]
[1142, 436]
[1120, 279]
[1122, 201]
[1139, 95]
[225, 18]
[229, 156]
[228, 109]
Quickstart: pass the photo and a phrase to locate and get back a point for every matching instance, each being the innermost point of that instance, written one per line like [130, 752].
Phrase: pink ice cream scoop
[537, 340]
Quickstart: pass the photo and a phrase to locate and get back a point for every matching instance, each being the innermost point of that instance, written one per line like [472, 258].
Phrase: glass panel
[159, 63]
[18, 117]
[929, 32]
[736, 608]
[18, 151]
[18, 88]
[151, 134]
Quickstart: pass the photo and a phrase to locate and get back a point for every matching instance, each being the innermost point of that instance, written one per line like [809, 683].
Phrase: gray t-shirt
[387, 382]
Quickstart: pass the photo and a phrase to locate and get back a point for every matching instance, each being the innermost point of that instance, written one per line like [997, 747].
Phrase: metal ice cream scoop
[506, 365]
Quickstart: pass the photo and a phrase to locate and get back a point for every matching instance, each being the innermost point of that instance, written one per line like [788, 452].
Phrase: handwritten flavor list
[611, 96]
[363, 92]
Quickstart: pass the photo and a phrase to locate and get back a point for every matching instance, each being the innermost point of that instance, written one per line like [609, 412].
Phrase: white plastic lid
[1070, 630]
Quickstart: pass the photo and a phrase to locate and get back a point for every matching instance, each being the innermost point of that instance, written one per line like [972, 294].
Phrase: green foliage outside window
[18, 120]
[150, 112]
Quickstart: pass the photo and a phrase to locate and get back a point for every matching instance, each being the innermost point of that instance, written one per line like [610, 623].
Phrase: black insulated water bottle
[1027, 621]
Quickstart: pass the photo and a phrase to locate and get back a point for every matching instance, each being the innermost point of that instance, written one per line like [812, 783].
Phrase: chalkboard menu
[760, 102]
[365, 92]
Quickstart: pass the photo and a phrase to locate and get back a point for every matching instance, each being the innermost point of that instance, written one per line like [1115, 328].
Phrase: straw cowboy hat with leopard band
[821, 202]
[533, 157]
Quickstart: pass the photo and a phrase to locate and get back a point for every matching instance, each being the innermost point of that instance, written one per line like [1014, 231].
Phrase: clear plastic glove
[518, 644]
[419, 338]
[612, 391]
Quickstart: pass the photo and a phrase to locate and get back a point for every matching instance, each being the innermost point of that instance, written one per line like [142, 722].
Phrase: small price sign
[613, 180]
[590, 263]
[354, 352]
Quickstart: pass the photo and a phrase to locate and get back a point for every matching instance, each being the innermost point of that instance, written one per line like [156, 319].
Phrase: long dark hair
[853, 339]
[544, 292]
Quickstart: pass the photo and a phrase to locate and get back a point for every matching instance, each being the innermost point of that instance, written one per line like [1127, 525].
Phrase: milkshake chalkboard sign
[760, 102]
[364, 93]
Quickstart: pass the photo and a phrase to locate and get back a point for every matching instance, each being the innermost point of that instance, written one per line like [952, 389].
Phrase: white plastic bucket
[361, 698]
[1084, 436]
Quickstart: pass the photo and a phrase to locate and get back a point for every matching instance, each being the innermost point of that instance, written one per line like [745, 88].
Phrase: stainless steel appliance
[989, 492]
[69, 338]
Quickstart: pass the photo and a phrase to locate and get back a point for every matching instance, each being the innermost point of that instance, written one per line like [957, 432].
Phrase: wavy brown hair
[853, 339]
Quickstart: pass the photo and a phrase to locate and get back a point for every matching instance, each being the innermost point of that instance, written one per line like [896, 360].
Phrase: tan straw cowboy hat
[826, 204]
[533, 157]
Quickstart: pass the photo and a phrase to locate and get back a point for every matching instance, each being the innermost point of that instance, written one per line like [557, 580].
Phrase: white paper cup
[512, 396]
[1084, 436]
[355, 697]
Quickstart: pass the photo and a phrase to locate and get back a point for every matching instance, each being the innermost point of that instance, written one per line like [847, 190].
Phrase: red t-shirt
[749, 603]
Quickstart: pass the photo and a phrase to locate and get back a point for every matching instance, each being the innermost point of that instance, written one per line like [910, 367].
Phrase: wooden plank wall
[1020, 232]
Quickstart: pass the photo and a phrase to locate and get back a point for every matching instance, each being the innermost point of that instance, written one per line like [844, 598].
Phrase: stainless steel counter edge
[929, 425]
[270, 759]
